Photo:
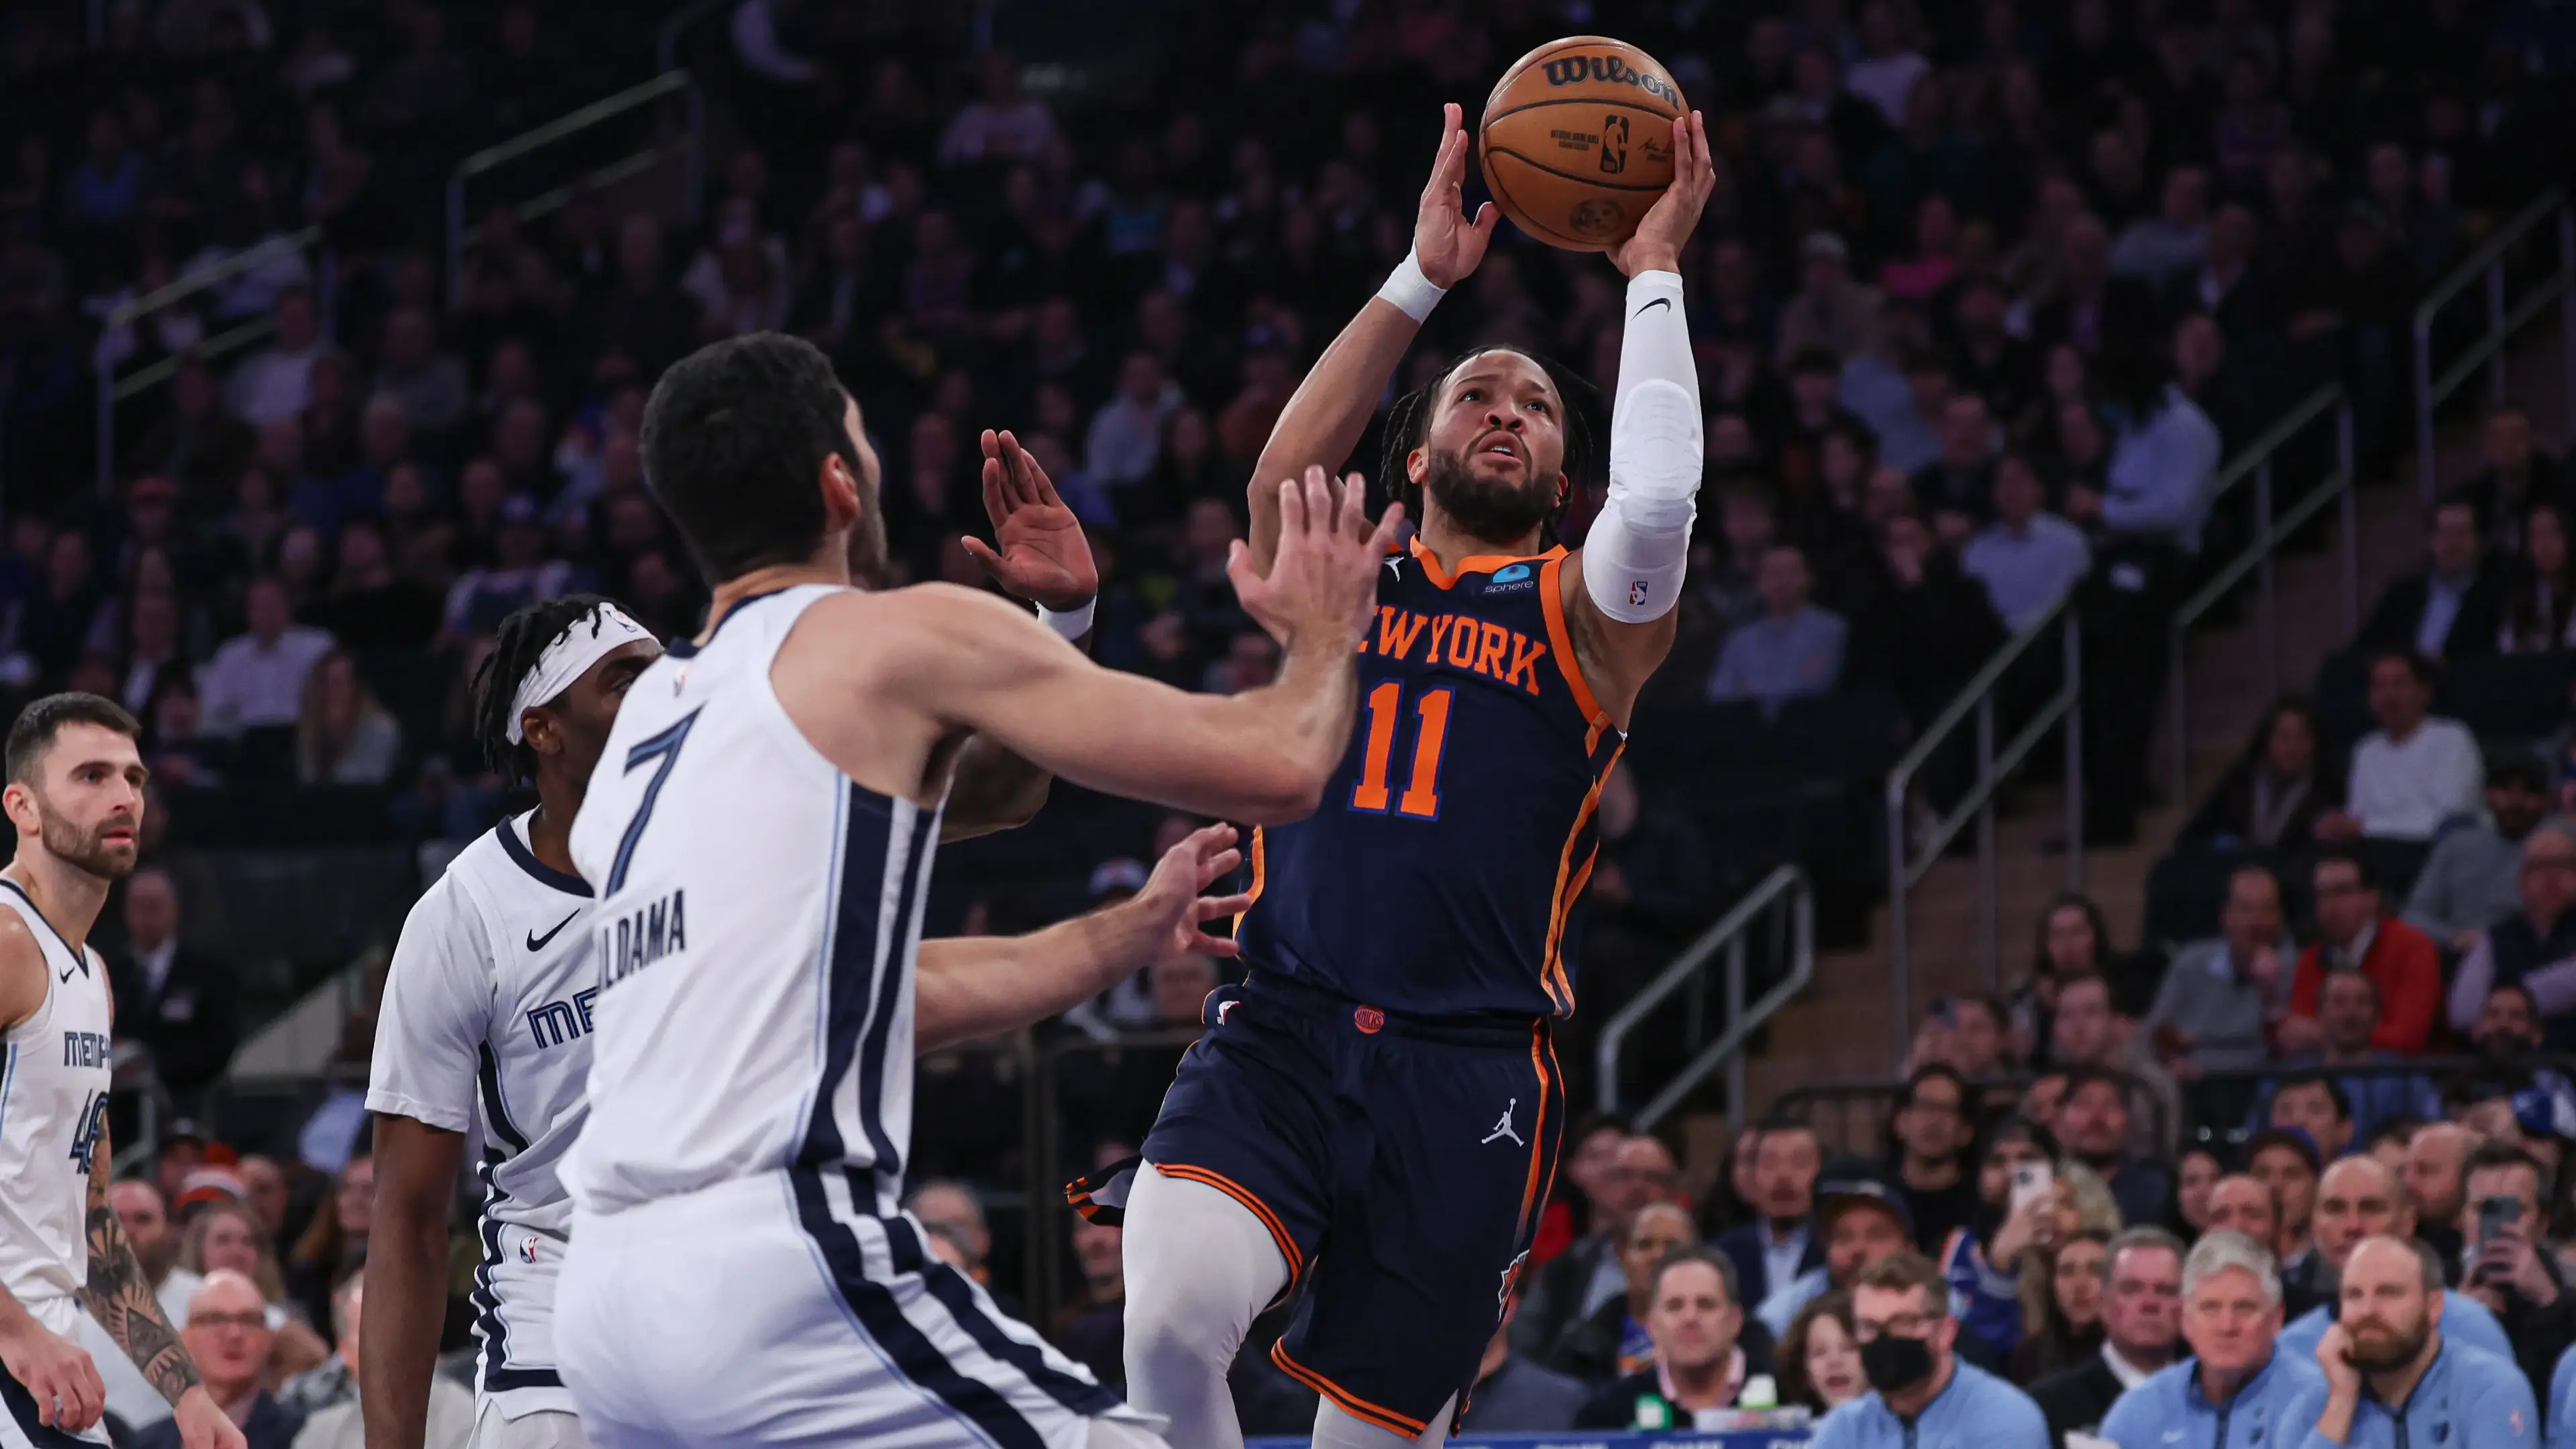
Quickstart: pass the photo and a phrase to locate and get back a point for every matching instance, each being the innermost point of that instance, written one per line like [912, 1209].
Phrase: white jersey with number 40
[53, 1104]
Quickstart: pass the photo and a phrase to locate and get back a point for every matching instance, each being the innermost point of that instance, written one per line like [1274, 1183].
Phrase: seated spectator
[1794, 649]
[1862, 1219]
[2355, 933]
[1830, 311]
[2515, 1270]
[2507, 1034]
[1613, 1343]
[2273, 795]
[2540, 606]
[1925, 627]
[1779, 1246]
[346, 735]
[1126, 436]
[2230, 1321]
[2093, 1123]
[2196, 1175]
[256, 679]
[2358, 1201]
[275, 383]
[1092, 1329]
[334, 1241]
[2028, 558]
[2454, 609]
[2343, 1109]
[227, 1336]
[1956, 490]
[2468, 882]
[1819, 1359]
[430, 385]
[180, 1003]
[2220, 998]
[2535, 947]
[958, 1207]
[2067, 1330]
[519, 574]
[1984, 1260]
[2141, 1325]
[1933, 1134]
[2515, 477]
[1575, 1283]
[1904, 1296]
[2286, 1162]
[2414, 773]
[2172, 242]
[341, 1426]
[1695, 1363]
[2436, 1177]
[1514, 1395]
[2398, 1321]
[2087, 1031]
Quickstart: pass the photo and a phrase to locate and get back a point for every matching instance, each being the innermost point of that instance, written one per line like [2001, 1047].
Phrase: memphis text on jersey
[1477, 645]
[638, 938]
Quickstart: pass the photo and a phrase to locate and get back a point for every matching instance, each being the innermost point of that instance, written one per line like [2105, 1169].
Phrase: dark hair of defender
[33, 731]
[732, 438]
[521, 640]
[1408, 426]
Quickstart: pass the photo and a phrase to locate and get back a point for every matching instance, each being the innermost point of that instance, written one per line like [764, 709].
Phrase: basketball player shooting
[1370, 1122]
[75, 794]
[760, 831]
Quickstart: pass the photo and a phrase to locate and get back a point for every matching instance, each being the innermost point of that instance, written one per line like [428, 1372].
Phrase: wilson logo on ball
[1610, 70]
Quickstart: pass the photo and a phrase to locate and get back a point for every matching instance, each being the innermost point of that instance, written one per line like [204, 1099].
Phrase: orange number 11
[1421, 797]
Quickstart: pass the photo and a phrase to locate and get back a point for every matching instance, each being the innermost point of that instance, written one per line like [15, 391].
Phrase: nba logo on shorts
[1637, 592]
[528, 1250]
[1368, 1019]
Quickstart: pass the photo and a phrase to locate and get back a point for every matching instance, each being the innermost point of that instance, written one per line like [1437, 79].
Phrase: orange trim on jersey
[1260, 873]
[1570, 881]
[1251, 1200]
[1551, 598]
[1357, 1407]
[1530, 1198]
[1483, 563]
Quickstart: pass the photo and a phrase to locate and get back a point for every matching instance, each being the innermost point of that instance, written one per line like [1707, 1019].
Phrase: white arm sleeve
[1634, 556]
[436, 1014]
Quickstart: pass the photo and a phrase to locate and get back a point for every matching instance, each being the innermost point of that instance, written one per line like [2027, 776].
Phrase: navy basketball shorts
[1399, 1162]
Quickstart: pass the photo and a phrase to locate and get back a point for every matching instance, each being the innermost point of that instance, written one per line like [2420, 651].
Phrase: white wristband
[1410, 292]
[1071, 625]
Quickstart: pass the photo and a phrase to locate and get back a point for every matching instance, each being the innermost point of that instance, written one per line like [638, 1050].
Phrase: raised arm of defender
[1331, 408]
[933, 661]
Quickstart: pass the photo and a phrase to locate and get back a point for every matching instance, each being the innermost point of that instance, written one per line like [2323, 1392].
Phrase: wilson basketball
[1577, 140]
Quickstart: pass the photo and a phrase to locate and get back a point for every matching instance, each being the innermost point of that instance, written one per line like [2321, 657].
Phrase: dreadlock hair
[521, 640]
[1408, 426]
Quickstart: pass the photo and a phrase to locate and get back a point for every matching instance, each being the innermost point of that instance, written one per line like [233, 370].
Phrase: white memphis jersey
[53, 1105]
[485, 1029]
[755, 935]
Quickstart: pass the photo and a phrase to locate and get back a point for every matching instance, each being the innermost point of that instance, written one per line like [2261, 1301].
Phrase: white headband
[570, 656]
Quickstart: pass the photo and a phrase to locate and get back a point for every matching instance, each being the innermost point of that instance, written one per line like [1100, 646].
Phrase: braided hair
[1408, 426]
[518, 644]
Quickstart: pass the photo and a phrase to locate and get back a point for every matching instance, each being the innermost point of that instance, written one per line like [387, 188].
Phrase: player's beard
[88, 850]
[2392, 1350]
[1491, 510]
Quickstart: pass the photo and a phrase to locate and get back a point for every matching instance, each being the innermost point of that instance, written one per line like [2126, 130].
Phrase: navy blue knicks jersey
[1438, 874]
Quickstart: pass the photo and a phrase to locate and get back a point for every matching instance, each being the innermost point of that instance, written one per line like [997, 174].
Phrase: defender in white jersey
[75, 795]
[760, 831]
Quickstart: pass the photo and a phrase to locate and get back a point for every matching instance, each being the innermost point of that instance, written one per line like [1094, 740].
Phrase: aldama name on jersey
[1480, 646]
[641, 937]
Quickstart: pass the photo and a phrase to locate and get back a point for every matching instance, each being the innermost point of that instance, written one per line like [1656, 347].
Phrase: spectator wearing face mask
[2534, 948]
[2469, 881]
[2359, 1199]
[1921, 1391]
[2239, 1388]
[2393, 1375]
[2141, 1304]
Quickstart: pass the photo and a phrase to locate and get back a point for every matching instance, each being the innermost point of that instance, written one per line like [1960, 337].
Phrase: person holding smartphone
[2511, 1267]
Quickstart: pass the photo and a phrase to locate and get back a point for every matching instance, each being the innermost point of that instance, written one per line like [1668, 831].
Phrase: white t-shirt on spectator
[2404, 791]
[984, 132]
[249, 684]
[1887, 82]
[1126, 440]
[2025, 572]
[273, 383]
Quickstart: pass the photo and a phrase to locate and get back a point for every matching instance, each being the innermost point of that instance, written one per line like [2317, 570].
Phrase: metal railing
[2273, 528]
[2500, 323]
[666, 41]
[692, 145]
[112, 389]
[1906, 865]
[1787, 890]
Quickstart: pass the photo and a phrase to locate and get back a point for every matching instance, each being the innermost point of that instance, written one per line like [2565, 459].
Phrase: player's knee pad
[1639, 546]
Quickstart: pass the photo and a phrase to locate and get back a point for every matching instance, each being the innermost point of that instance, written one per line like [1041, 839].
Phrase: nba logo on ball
[1369, 1020]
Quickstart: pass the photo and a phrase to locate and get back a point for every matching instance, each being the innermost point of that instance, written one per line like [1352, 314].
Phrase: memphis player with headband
[1370, 1123]
[75, 794]
[761, 830]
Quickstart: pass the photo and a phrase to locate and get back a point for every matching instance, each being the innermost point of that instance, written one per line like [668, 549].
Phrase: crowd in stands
[1985, 295]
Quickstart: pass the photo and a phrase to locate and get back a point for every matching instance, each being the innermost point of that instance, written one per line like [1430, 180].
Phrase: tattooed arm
[120, 1297]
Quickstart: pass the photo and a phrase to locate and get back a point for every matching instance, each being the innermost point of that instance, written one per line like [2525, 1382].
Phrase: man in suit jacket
[1576, 1282]
[2142, 1323]
[2455, 607]
[180, 1003]
[1781, 1243]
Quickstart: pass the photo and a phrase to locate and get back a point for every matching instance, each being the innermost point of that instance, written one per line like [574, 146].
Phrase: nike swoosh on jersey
[1652, 304]
[538, 943]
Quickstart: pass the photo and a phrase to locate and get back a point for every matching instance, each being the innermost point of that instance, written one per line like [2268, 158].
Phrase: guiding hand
[1323, 580]
[58, 1375]
[1043, 556]
[1446, 245]
[1657, 244]
[203, 1424]
[1172, 906]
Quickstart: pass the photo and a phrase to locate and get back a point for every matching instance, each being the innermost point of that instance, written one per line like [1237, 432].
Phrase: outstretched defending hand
[1042, 555]
[1323, 580]
[1657, 245]
[1446, 245]
[1171, 907]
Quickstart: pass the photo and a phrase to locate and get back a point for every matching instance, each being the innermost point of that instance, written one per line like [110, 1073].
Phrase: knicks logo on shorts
[1511, 1276]
[1369, 1020]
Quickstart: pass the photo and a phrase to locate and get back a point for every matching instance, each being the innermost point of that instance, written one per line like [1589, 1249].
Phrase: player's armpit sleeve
[1633, 558]
[436, 1014]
